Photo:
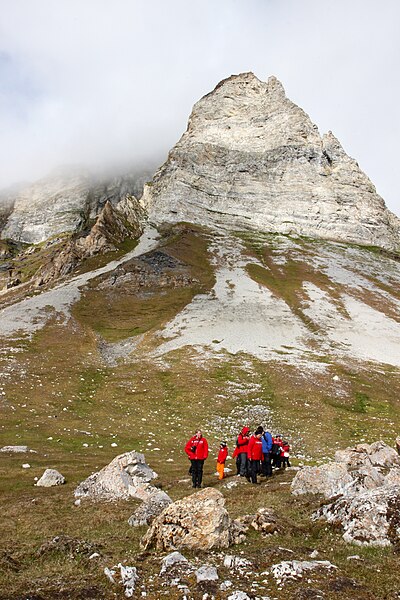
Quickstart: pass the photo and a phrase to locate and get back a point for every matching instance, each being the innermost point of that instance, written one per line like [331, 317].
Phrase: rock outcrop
[198, 522]
[364, 487]
[127, 476]
[63, 202]
[369, 518]
[252, 159]
[365, 467]
[112, 226]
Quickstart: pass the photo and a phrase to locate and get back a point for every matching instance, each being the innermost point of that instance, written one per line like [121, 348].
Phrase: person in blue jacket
[266, 450]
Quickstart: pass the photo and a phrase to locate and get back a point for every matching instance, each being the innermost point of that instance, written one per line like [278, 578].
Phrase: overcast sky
[101, 82]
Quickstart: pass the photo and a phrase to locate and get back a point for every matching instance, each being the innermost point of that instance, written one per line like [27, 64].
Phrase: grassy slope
[147, 404]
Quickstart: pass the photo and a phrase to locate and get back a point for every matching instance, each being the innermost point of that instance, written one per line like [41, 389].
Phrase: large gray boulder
[251, 159]
[364, 467]
[199, 522]
[127, 476]
[329, 480]
[150, 508]
[369, 518]
[364, 487]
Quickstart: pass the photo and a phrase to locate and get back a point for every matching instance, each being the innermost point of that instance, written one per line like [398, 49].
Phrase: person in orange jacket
[240, 452]
[197, 450]
[222, 455]
[255, 453]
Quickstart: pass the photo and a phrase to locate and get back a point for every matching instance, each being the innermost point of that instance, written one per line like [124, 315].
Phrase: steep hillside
[194, 328]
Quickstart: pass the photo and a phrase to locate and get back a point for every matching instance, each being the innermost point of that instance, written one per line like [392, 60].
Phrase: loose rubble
[127, 577]
[294, 569]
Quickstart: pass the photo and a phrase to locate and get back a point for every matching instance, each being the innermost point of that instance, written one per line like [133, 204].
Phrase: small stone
[206, 573]
[26, 466]
[173, 560]
[15, 449]
[50, 478]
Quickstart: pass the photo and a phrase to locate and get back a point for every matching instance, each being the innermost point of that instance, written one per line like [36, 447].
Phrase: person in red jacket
[222, 455]
[197, 450]
[255, 454]
[285, 453]
[240, 452]
[276, 451]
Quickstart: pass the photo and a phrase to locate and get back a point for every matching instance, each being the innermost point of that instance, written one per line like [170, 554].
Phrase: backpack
[276, 449]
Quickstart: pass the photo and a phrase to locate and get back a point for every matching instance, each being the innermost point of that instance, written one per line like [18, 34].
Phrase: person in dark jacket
[266, 450]
[240, 452]
[276, 451]
[254, 453]
[197, 450]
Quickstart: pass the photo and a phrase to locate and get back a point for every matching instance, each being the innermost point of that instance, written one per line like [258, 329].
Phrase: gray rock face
[369, 518]
[173, 561]
[365, 467]
[206, 573]
[364, 485]
[125, 477]
[50, 478]
[61, 203]
[252, 159]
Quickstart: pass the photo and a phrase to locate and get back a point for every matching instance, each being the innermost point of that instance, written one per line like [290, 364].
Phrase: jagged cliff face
[62, 203]
[251, 158]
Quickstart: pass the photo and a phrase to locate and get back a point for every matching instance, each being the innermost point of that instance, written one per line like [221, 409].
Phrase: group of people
[256, 455]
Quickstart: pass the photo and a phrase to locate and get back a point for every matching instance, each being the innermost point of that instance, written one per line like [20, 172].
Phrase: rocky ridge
[251, 159]
[66, 201]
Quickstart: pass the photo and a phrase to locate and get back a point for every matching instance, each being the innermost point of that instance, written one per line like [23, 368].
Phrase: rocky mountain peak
[252, 159]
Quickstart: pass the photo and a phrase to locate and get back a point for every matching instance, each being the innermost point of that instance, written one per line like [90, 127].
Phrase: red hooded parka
[197, 449]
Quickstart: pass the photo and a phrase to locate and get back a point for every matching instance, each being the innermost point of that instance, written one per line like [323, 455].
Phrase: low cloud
[113, 84]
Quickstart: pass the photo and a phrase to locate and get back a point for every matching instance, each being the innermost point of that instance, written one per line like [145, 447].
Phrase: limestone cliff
[251, 158]
[64, 202]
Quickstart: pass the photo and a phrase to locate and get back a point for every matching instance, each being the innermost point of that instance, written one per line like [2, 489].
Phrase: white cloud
[96, 81]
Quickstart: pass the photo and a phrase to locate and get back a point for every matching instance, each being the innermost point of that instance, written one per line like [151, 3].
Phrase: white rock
[239, 596]
[173, 560]
[26, 466]
[294, 569]
[15, 449]
[236, 562]
[50, 478]
[225, 585]
[206, 573]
